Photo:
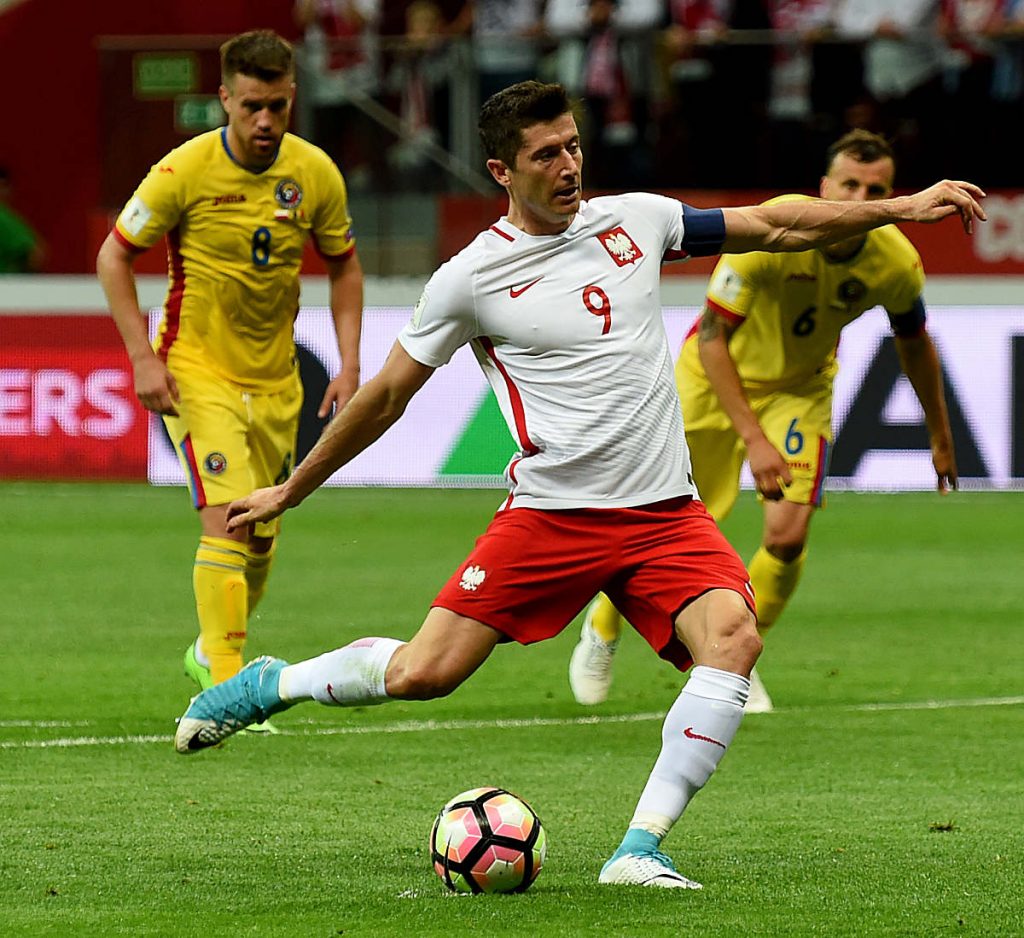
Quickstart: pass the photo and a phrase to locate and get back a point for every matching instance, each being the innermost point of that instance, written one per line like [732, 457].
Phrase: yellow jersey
[792, 306]
[235, 240]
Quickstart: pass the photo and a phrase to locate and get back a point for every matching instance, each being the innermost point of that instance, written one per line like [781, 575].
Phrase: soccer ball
[487, 840]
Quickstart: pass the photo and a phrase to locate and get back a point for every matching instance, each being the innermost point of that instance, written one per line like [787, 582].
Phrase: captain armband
[703, 231]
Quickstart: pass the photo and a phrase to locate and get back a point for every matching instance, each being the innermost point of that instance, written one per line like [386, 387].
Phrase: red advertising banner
[67, 406]
[996, 247]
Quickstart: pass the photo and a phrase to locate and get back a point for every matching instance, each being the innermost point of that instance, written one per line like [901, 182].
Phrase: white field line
[426, 726]
[70, 742]
[47, 723]
[930, 705]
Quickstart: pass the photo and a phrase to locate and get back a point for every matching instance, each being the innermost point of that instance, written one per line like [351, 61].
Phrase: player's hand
[769, 468]
[261, 505]
[338, 393]
[944, 199]
[944, 461]
[155, 386]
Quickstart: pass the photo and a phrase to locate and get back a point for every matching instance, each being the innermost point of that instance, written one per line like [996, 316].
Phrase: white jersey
[568, 331]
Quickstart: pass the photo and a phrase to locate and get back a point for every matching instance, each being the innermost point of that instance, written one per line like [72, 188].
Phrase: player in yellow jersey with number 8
[755, 380]
[237, 206]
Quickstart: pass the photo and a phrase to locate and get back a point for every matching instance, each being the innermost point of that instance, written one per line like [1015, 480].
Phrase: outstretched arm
[920, 362]
[767, 464]
[372, 410]
[805, 224]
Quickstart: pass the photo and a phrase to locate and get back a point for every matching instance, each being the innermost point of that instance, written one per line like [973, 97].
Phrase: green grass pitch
[884, 797]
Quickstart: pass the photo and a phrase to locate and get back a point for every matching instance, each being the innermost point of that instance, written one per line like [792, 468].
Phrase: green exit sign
[194, 113]
[165, 74]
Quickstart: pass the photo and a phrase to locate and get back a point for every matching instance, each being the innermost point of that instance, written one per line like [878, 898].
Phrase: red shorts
[532, 572]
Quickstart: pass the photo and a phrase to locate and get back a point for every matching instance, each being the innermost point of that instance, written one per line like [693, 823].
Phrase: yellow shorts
[230, 441]
[797, 422]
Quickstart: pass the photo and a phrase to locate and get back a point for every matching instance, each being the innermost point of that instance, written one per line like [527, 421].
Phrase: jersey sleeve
[155, 208]
[332, 225]
[444, 318]
[687, 231]
[904, 289]
[734, 283]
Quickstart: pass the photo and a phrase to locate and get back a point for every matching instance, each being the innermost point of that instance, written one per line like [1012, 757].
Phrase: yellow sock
[605, 619]
[218, 578]
[257, 569]
[774, 581]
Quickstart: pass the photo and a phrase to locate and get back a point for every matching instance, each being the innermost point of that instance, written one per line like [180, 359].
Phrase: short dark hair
[261, 54]
[863, 145]
[505, 115]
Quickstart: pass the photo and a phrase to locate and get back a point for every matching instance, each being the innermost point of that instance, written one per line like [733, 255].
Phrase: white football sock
[352, 676]
[698, 729]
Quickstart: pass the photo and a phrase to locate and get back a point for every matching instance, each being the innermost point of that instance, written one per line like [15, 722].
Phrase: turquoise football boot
[222, 710]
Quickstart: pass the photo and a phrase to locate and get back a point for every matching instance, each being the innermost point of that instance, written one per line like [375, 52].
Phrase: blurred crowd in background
[675, 93]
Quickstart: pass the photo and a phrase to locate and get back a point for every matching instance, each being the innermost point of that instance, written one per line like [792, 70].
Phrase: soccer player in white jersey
[755, 378]
[559, 300]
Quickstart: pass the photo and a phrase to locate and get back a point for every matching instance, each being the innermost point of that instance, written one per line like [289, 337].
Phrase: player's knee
[749, 644]
[734, 643]
[785, 546]
[739, 632]
[721, 631]
[261, 545]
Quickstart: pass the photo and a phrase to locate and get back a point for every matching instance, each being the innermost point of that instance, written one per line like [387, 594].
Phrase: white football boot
[645, 869]
[590, 667]
[758, 700]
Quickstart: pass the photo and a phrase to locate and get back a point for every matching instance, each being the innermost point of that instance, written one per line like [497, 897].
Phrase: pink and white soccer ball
[487, 840]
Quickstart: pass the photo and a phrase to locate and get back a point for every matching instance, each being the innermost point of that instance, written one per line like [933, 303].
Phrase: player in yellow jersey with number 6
[755, 380]
[237, 206]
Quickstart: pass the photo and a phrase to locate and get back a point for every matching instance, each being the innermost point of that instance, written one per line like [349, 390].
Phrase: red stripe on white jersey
[518, 411]
[512, 477]
[505, 235]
